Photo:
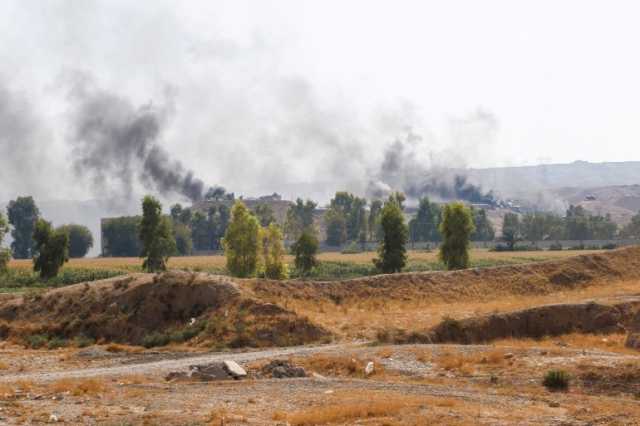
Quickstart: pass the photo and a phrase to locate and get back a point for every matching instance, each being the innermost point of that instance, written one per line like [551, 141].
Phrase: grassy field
[333, 266]
[478, 256]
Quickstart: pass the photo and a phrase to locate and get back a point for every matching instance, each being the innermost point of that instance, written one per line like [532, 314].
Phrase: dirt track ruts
[164, 366]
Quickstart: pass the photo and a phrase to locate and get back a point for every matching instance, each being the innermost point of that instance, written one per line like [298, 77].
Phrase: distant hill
[579, 174]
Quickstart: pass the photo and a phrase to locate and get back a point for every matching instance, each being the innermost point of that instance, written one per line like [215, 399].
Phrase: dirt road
[166, 365]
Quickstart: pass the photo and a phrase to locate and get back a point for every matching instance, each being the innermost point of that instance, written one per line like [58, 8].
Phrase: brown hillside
[471, 284]
[174, 306]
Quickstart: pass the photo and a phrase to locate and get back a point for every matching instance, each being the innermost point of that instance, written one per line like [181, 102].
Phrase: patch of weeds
[556, 380]
[155, 339]
[36, 341]
[56, 342]
[82, 341]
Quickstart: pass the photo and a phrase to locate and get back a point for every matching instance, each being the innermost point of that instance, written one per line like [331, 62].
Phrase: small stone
[368, 370]
[318, 376]
[53, 418]
[327, 392]
[543, 352]
[234, 369]
[508, 355]
[554, 404]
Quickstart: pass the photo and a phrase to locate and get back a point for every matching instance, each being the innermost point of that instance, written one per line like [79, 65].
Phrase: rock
[234, 369]
[318, 376]
[554, 404]
[208, 372]
[508, 355]
[176, 376]
[368, 370]
[280, 369]
[53, 418]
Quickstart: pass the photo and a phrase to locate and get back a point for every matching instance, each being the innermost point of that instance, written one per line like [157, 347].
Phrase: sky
[306, 96]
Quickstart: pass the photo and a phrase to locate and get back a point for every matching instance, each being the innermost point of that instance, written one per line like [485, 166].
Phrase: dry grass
[363, 318]
[337, 365]
[78, 387]
[118, 348]
[345, 408]
[610, 342]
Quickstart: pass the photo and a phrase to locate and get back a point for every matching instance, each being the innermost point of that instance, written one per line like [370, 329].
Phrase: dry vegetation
[500, 383]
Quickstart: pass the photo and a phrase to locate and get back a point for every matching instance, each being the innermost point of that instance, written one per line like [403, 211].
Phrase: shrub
[82, 341]
[352, 248]
[304, 250]
[556, 380]
[555, 247]
[155, 339]
[36, 341]
[52, 249]
[56, 343]
[609, 246]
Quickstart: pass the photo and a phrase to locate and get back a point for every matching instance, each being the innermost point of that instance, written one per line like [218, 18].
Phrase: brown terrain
[465, 347]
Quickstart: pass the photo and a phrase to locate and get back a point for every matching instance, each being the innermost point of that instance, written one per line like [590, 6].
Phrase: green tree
[265, 214]
[304, 250]
[176, 211]
[5, 254]
[392, 252]
[456, 229]
[241, 242]
[336, 225]
[577, 223]
[602, 227]
[51, 249]
[632, 229]
[23, 214]
[299, 218]
[424, 226]
[120, 237]
[182, 236]
[533, 227]
[511, 230]
[156, 236]
[484, 229]
[80, 239]
[375, 231]
[273, 252]
[201, 231]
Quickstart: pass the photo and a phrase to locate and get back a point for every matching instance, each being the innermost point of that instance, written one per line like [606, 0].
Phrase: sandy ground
[412, 384]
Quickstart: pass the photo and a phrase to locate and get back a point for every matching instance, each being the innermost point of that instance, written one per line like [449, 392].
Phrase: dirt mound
[472, 284]
[158, 309]
[549, 320]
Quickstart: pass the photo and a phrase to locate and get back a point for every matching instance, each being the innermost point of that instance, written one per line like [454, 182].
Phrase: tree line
[34, 237]
[352, 220]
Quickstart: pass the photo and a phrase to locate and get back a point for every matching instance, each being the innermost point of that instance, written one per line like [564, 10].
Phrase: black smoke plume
[404, 169]
[116, 144]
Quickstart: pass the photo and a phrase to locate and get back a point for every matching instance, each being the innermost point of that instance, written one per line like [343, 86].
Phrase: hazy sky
[270, 94]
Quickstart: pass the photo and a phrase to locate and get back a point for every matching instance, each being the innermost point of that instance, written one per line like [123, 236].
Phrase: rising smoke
[410, 166]
[117, 144]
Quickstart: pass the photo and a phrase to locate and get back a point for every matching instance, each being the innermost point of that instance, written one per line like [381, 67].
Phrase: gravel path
[164, 366]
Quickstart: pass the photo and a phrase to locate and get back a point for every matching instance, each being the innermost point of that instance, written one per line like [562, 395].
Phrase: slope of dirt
[536, 322]
[471, 284]
[157, 309]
